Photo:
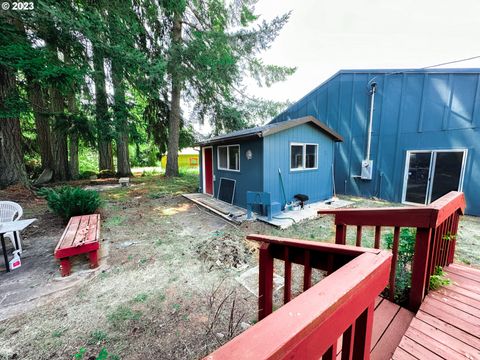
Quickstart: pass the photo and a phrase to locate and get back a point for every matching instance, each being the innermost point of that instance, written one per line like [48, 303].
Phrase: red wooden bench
[80, 237]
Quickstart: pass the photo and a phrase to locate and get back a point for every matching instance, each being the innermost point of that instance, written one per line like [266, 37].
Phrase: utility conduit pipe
[370, 120]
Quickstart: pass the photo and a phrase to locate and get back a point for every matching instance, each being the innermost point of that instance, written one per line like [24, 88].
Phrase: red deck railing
[341, 305]
[436, 229]
[310, 326]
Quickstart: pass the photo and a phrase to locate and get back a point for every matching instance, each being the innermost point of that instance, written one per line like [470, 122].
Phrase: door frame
[204, 188]
[431, 173]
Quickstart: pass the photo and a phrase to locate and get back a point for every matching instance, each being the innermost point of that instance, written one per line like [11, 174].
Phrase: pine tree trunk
[175, 110]
[121, 121]
[73, 137]
[61, 171]
[59, 144]
[73, 140]
[39, 101]
[123, 161]
[73, 152]
[42, 122]
[11, 156]
[105, 153]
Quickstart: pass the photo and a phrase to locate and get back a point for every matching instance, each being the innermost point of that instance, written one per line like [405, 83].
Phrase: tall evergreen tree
[38, 97]
[104, 138]
[11, 155]
[40, 54]
[121, 119]
[167, 53]
[212, 47]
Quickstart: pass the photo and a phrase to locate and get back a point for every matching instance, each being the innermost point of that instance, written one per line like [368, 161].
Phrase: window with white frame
[303, 156]
[228, 157]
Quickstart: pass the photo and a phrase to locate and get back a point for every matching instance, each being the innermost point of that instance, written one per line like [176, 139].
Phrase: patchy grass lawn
[467, 250]
[169, 289]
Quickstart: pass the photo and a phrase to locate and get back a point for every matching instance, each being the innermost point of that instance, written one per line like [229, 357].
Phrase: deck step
[447, 326]
[390, 322]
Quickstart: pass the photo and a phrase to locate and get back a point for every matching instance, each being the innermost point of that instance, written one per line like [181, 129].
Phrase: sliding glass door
[431, 174]
[418, 177]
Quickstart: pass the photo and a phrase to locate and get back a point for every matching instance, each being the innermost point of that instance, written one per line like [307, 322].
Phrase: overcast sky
[323, 37]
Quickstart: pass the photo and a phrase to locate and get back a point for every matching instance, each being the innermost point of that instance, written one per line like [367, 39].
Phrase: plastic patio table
[12, 226]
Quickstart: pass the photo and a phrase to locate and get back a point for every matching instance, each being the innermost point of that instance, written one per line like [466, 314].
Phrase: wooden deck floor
[390, 322]
[447, 326]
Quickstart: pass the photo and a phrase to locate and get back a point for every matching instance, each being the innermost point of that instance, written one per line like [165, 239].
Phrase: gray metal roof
[270, 129]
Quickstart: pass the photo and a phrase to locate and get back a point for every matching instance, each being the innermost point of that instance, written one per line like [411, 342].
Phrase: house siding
[317, 184]
[414, 110]
[249, 178]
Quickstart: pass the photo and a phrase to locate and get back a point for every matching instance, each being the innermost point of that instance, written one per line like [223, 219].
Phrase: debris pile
[225, 251]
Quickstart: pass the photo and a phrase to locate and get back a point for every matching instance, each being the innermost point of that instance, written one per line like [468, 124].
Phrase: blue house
[298, 152]
[410, 136]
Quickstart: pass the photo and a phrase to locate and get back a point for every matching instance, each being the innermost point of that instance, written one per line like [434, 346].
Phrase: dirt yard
[166, 288]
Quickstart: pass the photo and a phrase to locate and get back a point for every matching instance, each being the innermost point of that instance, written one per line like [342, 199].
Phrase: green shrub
[71, 201]
[403, 275]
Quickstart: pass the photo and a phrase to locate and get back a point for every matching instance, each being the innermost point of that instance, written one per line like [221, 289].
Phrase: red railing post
[363, 334]
[265, 281]
[378, 234]
[341, 234]
[436, 225]
[420, 270]
[433, 249]
[347, 342]
[393, 270]
[287, 282]
[310, 325]
[330, 264]
[358, 241]
[307, 271]
[453, 240]
[331, 353]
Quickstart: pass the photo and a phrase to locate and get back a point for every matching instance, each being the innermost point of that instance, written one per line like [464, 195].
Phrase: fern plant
[71, 201]
[439, 279]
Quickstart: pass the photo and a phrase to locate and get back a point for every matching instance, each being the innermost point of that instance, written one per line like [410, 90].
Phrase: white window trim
[228, 157]
[304, 156]
[433, 160]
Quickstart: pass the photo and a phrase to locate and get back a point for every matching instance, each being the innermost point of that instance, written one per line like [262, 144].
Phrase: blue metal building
[409, 135]
[299, 151]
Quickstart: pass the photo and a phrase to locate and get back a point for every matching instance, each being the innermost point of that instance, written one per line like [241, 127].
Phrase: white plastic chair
[11, 211]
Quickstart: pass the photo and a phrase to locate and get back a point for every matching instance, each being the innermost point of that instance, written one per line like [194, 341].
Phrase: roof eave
[304, 120]
[229, 139]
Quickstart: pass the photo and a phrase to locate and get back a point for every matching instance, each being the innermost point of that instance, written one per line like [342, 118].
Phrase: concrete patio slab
[38, 280]
[249, 280]
[287, 218]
